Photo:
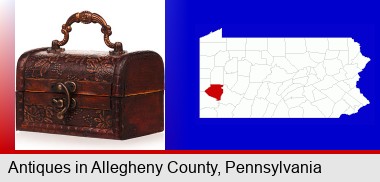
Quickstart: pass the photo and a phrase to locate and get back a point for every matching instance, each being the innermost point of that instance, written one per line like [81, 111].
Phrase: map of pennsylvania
[279, 77]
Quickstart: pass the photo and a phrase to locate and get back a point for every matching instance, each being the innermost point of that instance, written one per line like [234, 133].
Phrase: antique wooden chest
[114, 94]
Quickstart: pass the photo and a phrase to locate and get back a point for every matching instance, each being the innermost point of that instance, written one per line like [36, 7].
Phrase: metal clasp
[67, 88]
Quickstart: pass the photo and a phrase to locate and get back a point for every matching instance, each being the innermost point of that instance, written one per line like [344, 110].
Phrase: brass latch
[64, 103]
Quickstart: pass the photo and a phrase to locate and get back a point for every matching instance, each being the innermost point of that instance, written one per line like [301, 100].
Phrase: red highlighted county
[215, 91]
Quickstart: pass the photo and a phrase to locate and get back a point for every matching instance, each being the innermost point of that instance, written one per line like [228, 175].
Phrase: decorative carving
[103, 121]
[85, 17]
[38, 114]
[79, 117]
[43, 65]
[99, 69]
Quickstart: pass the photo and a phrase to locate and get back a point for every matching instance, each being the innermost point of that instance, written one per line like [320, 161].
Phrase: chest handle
[86, 17]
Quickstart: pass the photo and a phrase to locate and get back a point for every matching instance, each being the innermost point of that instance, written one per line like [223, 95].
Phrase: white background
[138, 24]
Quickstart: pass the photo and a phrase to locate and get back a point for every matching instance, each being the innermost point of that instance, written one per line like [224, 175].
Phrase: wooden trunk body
[116, 96]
